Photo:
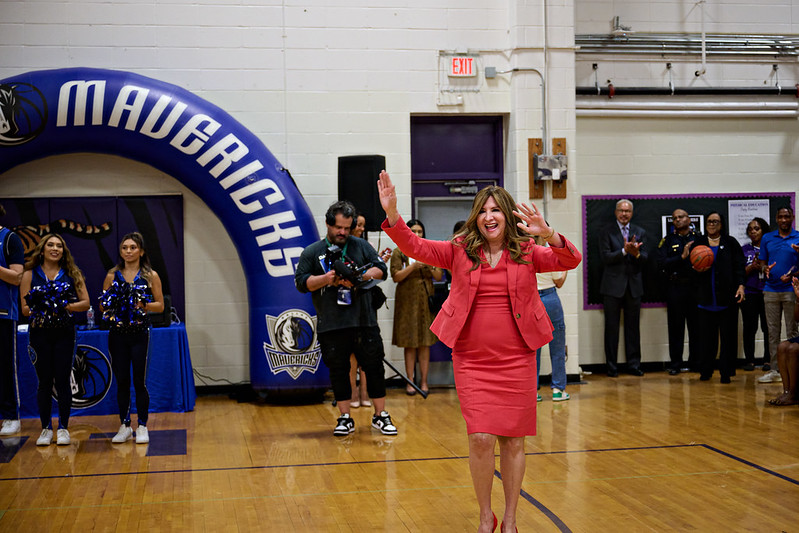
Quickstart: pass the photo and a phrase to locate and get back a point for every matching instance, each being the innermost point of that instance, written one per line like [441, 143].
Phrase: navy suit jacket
[621, 269]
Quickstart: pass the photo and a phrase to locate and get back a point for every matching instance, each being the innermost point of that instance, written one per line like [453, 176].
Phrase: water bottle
[90, 318]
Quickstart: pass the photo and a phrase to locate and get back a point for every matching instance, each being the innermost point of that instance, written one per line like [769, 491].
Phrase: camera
[348, 270]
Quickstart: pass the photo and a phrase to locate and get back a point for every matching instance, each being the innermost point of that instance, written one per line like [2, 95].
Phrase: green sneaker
[560, 396]
[540, 398]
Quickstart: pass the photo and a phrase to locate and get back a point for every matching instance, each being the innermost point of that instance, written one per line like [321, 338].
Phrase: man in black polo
[681, 308]
[346, 318]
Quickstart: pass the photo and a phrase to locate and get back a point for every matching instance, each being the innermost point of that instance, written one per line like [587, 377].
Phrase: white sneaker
[46, 438]
[384, 424]
[142, 436]
[123, 435]
[772, 376]
[9, 427]
[62, 438]
[344, 425]
[559, 395]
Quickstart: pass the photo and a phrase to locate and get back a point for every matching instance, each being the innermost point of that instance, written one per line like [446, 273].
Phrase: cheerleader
[53, 288]
[132, 288]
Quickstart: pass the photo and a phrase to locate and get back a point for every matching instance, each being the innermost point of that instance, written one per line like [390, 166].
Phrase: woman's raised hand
[388, 197]
[533, 221]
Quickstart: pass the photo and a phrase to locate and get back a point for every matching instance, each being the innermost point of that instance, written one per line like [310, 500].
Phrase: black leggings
[126, 349]
[367, 345]
[53, 351]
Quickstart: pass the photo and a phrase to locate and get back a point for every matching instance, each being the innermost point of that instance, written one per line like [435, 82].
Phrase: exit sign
[462, 66]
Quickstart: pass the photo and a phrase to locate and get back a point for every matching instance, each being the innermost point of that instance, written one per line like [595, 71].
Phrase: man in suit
[623, 256]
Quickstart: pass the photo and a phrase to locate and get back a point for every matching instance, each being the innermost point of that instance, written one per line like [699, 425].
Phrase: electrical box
[549, 167]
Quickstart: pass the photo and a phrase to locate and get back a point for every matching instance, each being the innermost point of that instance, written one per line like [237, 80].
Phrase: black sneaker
[344, 426]
[383, 423]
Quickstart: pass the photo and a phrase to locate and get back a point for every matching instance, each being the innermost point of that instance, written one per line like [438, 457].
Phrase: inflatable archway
[71, 110]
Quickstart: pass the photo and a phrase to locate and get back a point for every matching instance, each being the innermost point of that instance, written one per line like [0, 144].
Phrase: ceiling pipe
[702, 69]
[675, 44]
[657, 91]
[643, 113]
[592, 106]
[678, 103]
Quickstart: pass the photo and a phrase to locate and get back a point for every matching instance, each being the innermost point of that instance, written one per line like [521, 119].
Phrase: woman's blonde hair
[66, 263]
[470, 238]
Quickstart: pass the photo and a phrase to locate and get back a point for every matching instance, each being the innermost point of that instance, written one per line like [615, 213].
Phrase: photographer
[346, 317]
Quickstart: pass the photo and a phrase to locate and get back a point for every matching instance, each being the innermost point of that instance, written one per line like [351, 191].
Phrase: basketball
[701, 258]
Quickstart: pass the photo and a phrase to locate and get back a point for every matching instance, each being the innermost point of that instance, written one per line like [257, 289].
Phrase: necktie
[626, 232]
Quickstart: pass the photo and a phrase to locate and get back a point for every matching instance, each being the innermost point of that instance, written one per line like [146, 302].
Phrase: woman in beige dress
[412, 315]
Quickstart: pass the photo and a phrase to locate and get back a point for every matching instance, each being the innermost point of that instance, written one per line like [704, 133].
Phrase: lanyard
[343, 251]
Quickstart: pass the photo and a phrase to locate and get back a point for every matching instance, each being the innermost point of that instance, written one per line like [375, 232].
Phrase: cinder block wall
[321, 79]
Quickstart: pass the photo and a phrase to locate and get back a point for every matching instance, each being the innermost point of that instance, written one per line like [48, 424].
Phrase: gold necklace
[493, 261]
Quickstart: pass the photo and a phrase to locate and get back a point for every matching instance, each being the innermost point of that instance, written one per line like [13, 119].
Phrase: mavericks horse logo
[293, 348]
[23, 113]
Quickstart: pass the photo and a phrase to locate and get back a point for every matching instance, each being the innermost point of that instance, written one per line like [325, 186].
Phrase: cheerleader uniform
[128, 344]
[52, 350]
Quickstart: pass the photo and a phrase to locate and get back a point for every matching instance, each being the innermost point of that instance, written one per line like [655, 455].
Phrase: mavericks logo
[23, 113]
[294, 348]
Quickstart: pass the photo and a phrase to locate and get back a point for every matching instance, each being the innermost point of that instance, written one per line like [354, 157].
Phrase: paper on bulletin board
[741, 213]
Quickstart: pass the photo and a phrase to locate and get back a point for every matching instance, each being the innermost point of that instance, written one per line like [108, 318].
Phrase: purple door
[452, 157]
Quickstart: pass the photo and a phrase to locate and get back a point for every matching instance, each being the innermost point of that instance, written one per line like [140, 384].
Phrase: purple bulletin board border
[634, 197]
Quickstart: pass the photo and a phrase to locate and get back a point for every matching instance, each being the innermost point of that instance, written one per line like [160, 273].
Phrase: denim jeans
[557, 347]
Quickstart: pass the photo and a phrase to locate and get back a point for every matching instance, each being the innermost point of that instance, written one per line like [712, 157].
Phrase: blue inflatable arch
[51, 112]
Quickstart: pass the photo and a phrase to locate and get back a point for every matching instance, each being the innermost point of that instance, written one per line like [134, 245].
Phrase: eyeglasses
[709, 222]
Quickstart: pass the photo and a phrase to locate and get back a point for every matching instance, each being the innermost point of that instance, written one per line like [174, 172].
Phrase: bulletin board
[653, 213]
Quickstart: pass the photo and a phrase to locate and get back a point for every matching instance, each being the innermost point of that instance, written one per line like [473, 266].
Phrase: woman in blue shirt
[52, 289]
[139, 291]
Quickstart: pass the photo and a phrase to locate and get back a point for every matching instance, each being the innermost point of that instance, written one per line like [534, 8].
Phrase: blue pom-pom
[48, 303]
[121, 304]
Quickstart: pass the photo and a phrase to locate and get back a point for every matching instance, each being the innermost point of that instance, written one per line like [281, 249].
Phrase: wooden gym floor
[656, 453]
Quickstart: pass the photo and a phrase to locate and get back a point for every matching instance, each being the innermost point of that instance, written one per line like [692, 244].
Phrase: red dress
[495, 371]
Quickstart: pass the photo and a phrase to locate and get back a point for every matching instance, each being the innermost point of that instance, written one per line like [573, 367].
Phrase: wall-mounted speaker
[357, 182]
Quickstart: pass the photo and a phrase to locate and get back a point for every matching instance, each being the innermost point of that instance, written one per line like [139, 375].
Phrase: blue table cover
[170, 380]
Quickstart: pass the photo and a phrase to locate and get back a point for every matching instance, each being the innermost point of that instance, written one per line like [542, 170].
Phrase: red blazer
[528, 310]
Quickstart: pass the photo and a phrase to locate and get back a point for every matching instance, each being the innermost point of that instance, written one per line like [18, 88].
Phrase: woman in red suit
[494, 321]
